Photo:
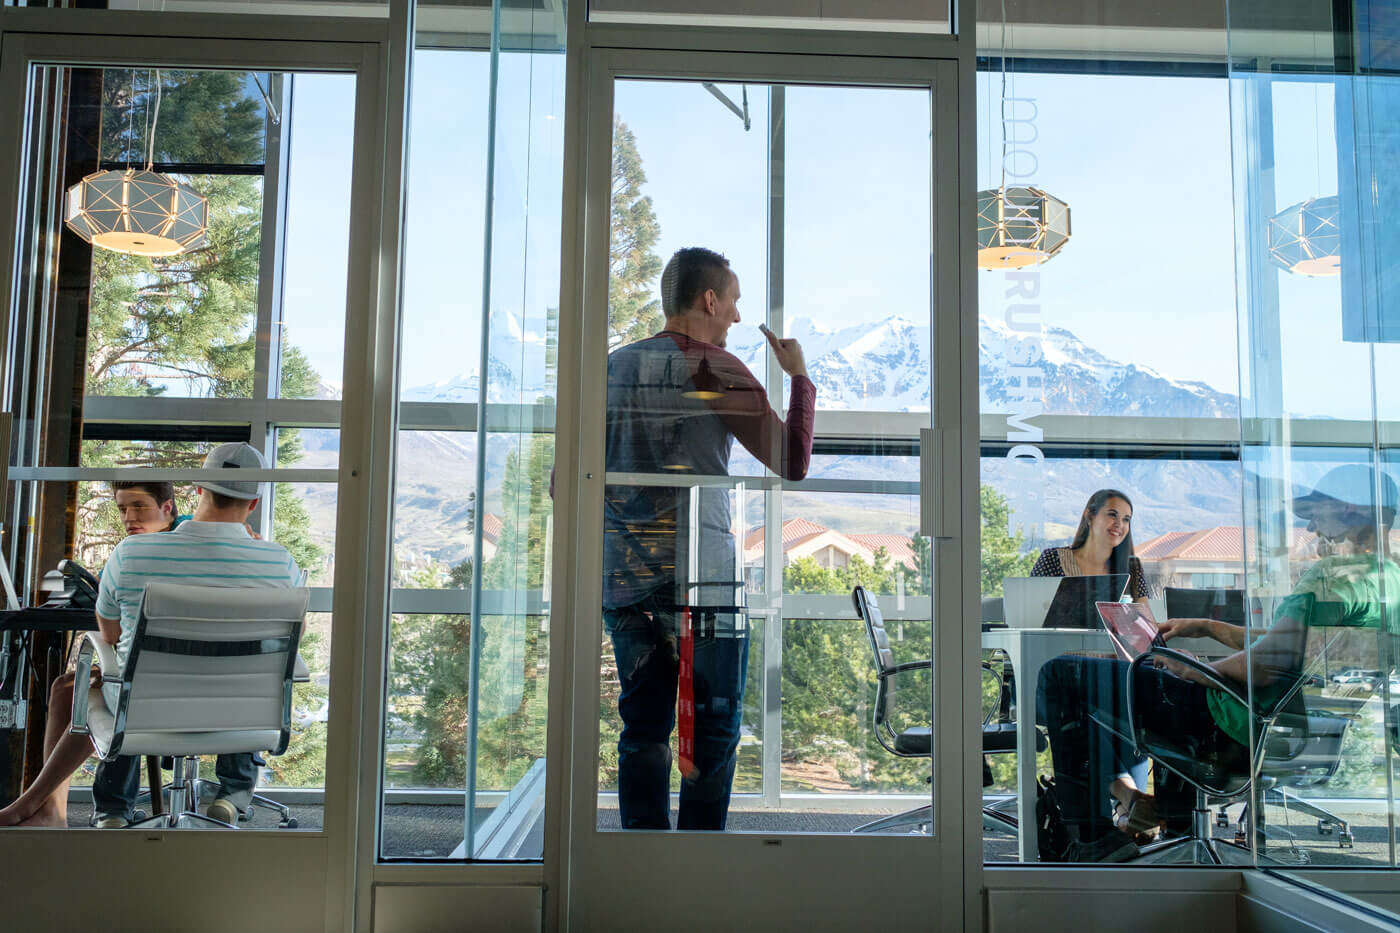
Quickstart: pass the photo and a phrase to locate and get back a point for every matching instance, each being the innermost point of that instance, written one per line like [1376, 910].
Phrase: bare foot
[48, 815]
[12, 816]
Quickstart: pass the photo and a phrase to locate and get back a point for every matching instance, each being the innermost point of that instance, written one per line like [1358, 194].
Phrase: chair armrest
[106, 659]
[82, 677]
[93, 646]
[908, 666]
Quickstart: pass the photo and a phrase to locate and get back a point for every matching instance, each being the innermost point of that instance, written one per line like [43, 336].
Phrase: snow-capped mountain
[885, 366]
[872, 366]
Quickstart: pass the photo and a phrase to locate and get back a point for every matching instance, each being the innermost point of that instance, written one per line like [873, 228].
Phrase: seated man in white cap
[214, 548]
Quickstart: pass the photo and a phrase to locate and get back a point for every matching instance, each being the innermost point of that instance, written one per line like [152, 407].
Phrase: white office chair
[210, 673]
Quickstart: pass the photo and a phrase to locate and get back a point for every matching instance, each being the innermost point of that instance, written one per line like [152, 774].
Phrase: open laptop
[1131, 630]
[1027, 599]
[1073, 605]
[1059, 602]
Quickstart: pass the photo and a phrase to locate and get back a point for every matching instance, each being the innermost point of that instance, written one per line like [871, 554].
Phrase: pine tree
[633, 312]
[1002, 552]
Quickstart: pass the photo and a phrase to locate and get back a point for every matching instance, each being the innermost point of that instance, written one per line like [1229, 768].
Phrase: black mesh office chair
[1220, 769]
[998, 732]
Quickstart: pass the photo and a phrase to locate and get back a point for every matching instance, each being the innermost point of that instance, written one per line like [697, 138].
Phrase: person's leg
[115, 786]
[238, 776]
[1088, 758]
[50, 802]
[647, 660]
[721, 668]
[45, 802]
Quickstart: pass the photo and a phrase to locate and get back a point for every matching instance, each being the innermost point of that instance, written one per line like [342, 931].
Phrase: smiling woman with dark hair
[1103, 543]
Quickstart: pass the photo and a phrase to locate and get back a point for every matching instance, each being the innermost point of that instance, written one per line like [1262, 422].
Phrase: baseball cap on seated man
[1353, 484]
[235, 456]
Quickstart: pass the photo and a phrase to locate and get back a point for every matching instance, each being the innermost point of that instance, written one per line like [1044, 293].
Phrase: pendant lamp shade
[1306, 238]
[1019, 227]
[137, 211]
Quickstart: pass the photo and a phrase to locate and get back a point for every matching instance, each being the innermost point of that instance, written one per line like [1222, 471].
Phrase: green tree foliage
[1003, 553]
[430, 665]
[829, 675]
[633, 312]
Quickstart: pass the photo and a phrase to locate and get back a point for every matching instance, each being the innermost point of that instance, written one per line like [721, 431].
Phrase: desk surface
[40, 619]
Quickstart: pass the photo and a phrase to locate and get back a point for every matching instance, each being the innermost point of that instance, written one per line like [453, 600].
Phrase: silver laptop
[1028, 600]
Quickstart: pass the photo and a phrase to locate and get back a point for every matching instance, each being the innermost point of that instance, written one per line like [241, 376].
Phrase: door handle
[933, 519]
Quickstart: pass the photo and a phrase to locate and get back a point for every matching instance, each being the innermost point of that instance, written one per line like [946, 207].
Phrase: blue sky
[1144, 163]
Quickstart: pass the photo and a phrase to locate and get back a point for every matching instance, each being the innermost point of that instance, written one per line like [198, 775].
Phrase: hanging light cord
[130, 106]
[1003, 98]
[151, 135]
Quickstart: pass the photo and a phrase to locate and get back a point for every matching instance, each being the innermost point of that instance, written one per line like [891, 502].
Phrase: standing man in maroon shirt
[676, 403]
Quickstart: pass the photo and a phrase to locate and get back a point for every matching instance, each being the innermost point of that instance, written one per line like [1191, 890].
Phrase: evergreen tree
[633, 312]
[1002, 552]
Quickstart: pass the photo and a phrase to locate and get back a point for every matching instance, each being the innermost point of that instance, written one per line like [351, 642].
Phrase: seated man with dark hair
[146, 507]
[213, 548]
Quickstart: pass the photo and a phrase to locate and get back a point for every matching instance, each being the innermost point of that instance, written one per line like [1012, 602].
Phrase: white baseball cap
[236, 456]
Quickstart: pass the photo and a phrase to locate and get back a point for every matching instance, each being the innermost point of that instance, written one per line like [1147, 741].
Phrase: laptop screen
[1073, 606]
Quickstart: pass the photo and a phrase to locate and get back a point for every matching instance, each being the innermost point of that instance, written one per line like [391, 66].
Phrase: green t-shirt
[1353, 591]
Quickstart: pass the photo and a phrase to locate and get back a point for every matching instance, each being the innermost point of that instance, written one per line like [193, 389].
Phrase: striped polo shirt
[210, 553]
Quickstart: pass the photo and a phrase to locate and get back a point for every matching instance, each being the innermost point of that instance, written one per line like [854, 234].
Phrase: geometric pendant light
[1019, 227]
[1306, 238]
[137, 211]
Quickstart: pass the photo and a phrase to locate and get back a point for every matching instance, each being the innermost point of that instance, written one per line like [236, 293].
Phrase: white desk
[1029, 649]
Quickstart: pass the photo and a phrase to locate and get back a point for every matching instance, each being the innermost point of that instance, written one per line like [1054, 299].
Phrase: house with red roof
[1213, 557]
[831, 549]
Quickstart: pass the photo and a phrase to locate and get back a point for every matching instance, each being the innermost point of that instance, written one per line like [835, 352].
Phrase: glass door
[759, 653]
[187, 249]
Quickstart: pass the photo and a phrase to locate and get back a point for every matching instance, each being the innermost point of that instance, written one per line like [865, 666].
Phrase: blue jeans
[116, 784]
[1087, 756]
[646, 644]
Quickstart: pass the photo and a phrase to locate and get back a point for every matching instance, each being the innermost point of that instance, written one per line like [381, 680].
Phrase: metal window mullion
[773, 496]
[267, 351]
[28, 430]
[484, 369]
[267, 344]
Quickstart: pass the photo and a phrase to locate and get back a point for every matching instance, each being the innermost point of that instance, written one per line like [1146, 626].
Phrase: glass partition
[131, 365]
[1315, 114]
[464, 723]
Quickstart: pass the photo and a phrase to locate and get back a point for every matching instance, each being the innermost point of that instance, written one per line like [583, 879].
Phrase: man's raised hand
[788, 351]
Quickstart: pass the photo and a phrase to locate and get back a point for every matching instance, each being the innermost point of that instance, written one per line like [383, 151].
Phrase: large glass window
[468, 648]
[1111, 364]
[178, 354]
